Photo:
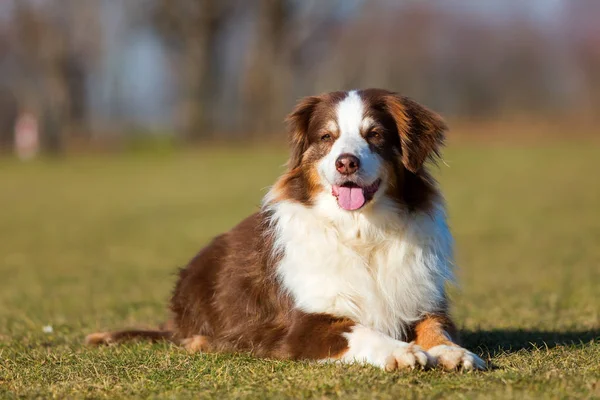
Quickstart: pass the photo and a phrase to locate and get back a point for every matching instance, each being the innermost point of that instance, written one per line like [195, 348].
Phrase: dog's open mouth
[350, 196]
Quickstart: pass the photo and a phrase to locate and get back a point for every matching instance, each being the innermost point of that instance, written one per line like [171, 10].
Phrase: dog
[349, 256]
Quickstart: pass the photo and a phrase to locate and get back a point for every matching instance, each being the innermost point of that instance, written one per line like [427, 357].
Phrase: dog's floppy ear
[298, 122]
[421, 131]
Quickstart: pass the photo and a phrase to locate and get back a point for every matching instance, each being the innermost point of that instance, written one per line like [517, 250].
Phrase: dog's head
[360, 146]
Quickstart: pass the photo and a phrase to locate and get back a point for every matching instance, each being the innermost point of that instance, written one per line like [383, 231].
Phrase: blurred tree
[288, 38]
[583, 34]
[53, 65]
[267, 65]
[8, 117]
[191, 29]
[40, 88]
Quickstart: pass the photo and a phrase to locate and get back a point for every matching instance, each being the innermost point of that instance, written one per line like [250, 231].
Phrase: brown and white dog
[348, 257]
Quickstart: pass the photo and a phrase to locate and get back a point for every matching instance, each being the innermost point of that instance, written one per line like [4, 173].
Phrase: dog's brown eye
[374, 135]
[326, 137]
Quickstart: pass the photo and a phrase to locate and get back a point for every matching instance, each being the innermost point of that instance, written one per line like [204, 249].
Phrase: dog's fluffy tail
[104, 338]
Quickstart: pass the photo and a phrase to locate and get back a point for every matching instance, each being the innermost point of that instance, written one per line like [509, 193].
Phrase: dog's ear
[298, 122]
[422, 132]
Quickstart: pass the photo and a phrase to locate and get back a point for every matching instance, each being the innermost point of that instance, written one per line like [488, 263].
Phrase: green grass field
[90, 243]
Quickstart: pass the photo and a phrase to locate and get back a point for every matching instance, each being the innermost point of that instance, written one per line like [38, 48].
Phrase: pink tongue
[350, 198]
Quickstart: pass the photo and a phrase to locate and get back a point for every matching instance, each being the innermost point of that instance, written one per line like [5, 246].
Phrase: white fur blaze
[456, 357]
[366, 346]
[350, 120]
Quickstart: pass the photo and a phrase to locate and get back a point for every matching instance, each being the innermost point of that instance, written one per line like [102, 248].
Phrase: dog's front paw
[456, 357]
[407, 356]
[368, 346]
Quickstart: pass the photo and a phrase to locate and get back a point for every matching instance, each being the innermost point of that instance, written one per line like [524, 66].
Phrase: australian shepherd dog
[347, 259]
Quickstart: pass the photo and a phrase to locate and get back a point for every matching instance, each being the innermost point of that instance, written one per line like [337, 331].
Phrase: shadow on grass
[512, 340]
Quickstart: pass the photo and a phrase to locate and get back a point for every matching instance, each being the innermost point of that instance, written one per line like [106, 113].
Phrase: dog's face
[359, 146]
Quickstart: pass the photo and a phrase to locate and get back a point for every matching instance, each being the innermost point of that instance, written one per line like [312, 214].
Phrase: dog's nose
[347, 164]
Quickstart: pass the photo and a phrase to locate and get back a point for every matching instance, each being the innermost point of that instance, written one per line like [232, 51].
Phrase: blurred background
[134, 131]
[99, 73]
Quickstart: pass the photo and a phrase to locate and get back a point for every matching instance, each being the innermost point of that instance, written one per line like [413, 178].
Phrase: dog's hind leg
[196, 343]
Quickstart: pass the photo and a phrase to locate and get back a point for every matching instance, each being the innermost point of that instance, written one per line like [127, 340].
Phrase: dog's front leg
[324, 337]
[437, 335]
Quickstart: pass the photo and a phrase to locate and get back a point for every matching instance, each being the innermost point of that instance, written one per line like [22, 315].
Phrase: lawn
[93, 242]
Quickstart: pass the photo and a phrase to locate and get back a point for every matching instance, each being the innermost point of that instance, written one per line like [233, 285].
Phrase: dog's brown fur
[227, 297]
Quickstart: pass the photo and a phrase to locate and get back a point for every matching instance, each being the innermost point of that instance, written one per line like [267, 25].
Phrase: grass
[91, 243]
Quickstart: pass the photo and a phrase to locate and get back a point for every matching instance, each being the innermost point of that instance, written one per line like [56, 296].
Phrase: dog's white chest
[384, 279]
